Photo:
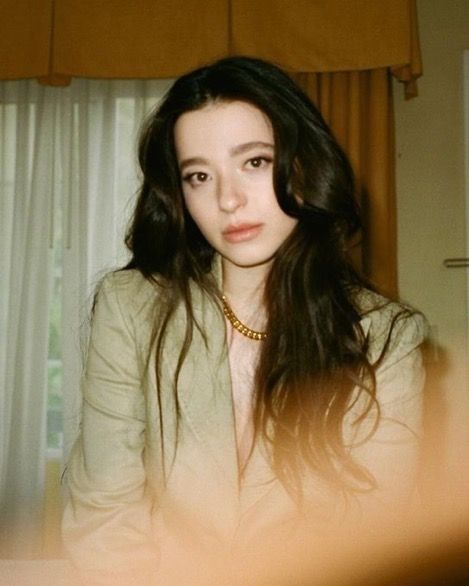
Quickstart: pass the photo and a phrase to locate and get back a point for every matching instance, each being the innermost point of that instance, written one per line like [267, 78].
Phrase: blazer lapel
[205, 390]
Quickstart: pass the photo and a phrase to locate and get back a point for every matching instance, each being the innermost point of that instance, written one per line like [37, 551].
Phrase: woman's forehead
[222, 123]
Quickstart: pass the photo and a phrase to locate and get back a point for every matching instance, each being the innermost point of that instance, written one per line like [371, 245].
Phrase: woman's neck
[244, 289]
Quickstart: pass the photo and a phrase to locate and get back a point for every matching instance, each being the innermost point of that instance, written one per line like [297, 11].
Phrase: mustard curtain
[330, 35]
[358, 108]
[59, 39]
[25, 38]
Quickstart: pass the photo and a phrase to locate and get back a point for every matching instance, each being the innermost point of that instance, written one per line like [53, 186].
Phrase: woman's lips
[242, 232]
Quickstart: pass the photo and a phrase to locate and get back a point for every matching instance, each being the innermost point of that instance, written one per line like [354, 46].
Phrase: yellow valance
[59, 39]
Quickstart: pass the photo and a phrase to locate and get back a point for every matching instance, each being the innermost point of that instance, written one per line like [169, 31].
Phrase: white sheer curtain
[67, 175]
[100, 179]
[25, 179]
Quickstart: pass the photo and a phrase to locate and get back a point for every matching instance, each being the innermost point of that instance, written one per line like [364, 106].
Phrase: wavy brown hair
[316, 353]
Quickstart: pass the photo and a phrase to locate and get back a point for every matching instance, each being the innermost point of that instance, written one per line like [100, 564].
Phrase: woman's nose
[231, 195]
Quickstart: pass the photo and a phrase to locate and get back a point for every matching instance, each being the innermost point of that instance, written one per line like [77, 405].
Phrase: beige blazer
[138, 503]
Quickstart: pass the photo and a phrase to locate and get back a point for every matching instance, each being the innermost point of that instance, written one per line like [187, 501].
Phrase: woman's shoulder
[127, 282]
[389, 324]
[133, 293]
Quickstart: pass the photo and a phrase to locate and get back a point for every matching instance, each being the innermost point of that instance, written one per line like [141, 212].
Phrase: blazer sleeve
[107, 520]
[389, 446]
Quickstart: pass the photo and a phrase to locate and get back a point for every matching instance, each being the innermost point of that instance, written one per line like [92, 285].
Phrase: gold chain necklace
[238, 325]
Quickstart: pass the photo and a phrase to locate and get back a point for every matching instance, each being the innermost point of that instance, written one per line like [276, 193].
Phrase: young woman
[242, 379]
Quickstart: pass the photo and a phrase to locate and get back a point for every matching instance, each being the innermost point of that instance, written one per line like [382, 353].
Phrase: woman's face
[225, 154]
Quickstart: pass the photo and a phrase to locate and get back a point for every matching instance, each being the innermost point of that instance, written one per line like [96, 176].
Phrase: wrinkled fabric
[153, 495]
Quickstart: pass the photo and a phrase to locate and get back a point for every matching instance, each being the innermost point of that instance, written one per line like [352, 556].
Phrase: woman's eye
[258, 162]
[195, 178]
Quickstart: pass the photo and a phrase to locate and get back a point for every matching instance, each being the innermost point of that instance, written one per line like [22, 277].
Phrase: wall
[431, 226]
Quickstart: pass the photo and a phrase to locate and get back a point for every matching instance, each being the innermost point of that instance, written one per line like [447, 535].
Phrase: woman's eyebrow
[192, 161]
[236, 150]
[247, 146]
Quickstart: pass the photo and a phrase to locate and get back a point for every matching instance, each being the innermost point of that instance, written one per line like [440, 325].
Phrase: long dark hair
[315, 354]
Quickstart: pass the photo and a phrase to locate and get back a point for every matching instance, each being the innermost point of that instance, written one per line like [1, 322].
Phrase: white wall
[431, 208]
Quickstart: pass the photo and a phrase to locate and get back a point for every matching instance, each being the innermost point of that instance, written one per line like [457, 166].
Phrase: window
[68, 176]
